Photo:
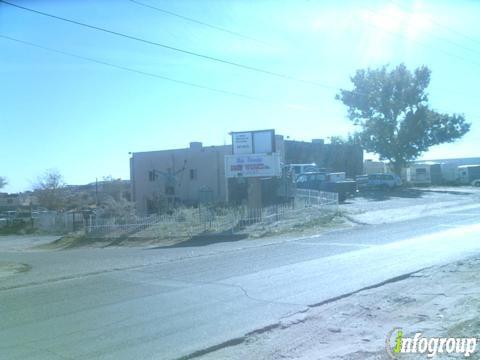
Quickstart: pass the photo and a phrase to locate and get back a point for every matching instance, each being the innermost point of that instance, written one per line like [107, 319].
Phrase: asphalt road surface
[119, 303]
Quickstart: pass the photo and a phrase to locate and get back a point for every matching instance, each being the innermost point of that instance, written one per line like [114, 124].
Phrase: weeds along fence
[211, 220]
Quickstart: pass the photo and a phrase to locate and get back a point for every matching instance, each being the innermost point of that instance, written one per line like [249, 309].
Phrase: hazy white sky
[83, 118]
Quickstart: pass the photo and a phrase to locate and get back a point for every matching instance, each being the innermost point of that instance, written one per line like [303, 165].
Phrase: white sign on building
[242, 143]
[252, 165]
[253, 142]
[263, 142]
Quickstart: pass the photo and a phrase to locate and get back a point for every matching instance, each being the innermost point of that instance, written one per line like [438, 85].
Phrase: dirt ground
[376, 207]
[440, 301]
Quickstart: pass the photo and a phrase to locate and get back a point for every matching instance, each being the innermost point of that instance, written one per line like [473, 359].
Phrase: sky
[83, 118]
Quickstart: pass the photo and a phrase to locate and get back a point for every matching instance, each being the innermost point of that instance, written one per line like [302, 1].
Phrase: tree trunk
[397, 168]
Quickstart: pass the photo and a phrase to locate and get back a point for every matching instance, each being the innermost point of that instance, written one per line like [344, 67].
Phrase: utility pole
[96, 192]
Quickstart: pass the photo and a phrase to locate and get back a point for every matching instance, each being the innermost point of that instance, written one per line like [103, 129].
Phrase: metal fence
[47, 221]
[58, 222]
[189, 222]
[316, 198]
[184, 222]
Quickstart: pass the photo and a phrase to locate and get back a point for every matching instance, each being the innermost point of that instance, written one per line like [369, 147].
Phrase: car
[331, 182]
[378, 181]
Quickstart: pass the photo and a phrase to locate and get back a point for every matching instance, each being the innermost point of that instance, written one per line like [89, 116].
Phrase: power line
[166, 78]
[144, 73]
[195, 21]
[423, 43]
[468, 37]
[409, 12]
[183, 51]
[140, 72]
[200, 86]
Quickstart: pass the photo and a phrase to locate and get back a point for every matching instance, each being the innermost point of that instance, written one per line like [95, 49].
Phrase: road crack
[281, 323]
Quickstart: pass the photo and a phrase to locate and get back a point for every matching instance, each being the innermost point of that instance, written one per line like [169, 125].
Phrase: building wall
[197, 171]
[9, 202]
[14, 201]
[336, 158]
[374, 167]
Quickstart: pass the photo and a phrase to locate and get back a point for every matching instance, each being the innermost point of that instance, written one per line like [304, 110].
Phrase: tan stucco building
[188, 175]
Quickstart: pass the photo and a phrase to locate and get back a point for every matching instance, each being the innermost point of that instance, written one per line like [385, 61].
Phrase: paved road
[169, 303]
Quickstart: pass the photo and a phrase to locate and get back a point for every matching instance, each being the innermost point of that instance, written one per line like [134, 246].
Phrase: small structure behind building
[371, 167]
[346, 158]
[427, 173]
[468, 173]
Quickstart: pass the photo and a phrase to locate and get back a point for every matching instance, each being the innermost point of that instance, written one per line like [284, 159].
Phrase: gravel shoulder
[8, 268]
[23, 243]
[439, 301]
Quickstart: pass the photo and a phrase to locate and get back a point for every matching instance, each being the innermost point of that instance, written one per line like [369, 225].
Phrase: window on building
[152, 176]
[193, 174]
[169, 190]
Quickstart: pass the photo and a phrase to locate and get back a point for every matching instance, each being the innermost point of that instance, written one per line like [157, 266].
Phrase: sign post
[254, 191]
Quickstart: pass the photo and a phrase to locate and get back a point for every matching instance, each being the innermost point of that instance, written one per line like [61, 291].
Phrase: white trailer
[466, 174]
[424, 174]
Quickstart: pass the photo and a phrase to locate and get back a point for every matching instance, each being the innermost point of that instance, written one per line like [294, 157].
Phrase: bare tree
[3, 182]
[50, 190]
[112, 187]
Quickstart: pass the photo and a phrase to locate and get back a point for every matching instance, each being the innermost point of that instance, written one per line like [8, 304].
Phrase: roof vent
[195, 145]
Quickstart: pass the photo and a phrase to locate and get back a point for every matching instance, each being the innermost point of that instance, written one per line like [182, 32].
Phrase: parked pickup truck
[332, 182]
[377, 181]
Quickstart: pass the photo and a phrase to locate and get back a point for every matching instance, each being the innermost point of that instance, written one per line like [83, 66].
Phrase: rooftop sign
[253, 142]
